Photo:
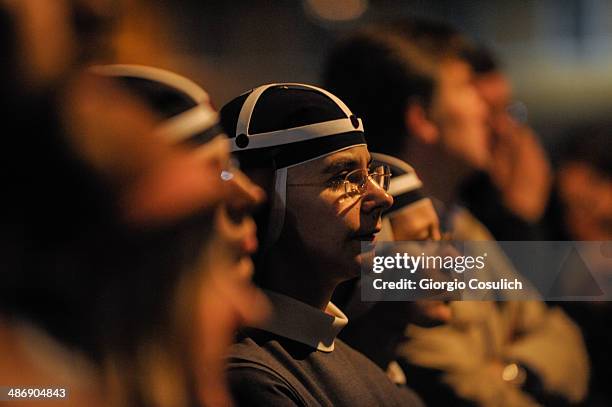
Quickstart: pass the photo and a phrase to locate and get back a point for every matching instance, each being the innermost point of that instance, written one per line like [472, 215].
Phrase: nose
[434, 231]
[480, 105]
[243, 196]
[375, 198]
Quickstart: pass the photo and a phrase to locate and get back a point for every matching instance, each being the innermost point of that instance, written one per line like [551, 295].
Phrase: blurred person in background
[412, 215]
[307, 150]
[511, 194]
[581, 209]
[583, 192]
[434, 118]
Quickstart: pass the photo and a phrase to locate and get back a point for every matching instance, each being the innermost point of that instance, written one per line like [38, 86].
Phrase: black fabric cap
[204, 136]
[164, 100]
[399, 168]
[286, 107]
[282, 108]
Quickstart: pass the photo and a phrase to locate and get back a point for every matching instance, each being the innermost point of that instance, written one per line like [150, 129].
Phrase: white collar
[304, 323]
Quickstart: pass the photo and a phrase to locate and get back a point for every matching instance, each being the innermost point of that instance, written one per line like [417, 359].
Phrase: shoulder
[380, 384]
[256, 378]
[253, 384]
[255, 348]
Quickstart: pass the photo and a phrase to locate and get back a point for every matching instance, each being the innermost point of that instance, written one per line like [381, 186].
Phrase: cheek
[344, 213]
[315, 217]
[462, 114]
[464, 131]
[461, 107]
[410, 229]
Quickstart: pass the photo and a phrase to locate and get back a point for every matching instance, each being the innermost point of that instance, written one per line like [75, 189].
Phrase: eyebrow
[344, 164]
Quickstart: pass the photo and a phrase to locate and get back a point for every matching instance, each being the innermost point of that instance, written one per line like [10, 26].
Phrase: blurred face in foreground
[226, 301]
[328, 224]
[227, 298]
[161, 184]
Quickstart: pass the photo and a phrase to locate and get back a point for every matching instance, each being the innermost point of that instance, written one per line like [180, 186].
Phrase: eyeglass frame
[360, 190]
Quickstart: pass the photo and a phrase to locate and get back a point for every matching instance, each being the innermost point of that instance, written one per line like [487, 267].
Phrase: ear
[419, 125]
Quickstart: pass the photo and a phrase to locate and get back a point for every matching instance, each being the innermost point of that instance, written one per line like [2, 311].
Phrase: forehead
[494, 88]
[454, 70]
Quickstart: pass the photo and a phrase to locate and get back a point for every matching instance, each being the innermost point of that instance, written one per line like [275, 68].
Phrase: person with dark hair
[511, 194]
[429, 100]
[307, 150]
[412, 85]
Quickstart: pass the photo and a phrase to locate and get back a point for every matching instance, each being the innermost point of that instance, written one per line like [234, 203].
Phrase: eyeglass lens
[356, 181]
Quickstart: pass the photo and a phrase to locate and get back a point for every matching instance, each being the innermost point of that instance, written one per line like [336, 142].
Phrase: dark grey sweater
[269, 370]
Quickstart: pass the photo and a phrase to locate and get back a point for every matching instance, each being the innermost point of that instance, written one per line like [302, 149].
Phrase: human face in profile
[328, 224]
[461, 115]
[417, 221]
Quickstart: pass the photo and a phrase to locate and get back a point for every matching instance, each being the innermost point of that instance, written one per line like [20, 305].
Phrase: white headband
[183, 125]
[404, 183]
[246, 141]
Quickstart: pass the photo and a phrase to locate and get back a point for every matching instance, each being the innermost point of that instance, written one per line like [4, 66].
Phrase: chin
[245, 266]
[363, 260]
[346, 268]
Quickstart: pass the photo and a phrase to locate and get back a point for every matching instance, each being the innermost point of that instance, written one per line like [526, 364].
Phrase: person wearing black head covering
[221, 292]
[306, 148]
[99, 254]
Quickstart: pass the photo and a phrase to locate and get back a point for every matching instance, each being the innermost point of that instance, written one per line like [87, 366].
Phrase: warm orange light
[336, 10]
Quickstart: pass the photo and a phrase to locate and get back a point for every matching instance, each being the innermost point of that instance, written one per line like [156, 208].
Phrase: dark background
[557, 53]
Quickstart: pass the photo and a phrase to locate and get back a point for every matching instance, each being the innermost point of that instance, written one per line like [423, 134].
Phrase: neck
[297, 278]
[441, 174]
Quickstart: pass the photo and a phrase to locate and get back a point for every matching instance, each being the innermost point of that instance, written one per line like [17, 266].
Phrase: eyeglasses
[356, 181]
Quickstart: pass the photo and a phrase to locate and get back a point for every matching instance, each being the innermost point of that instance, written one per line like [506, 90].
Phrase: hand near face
[519, 166]
[521, 171]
